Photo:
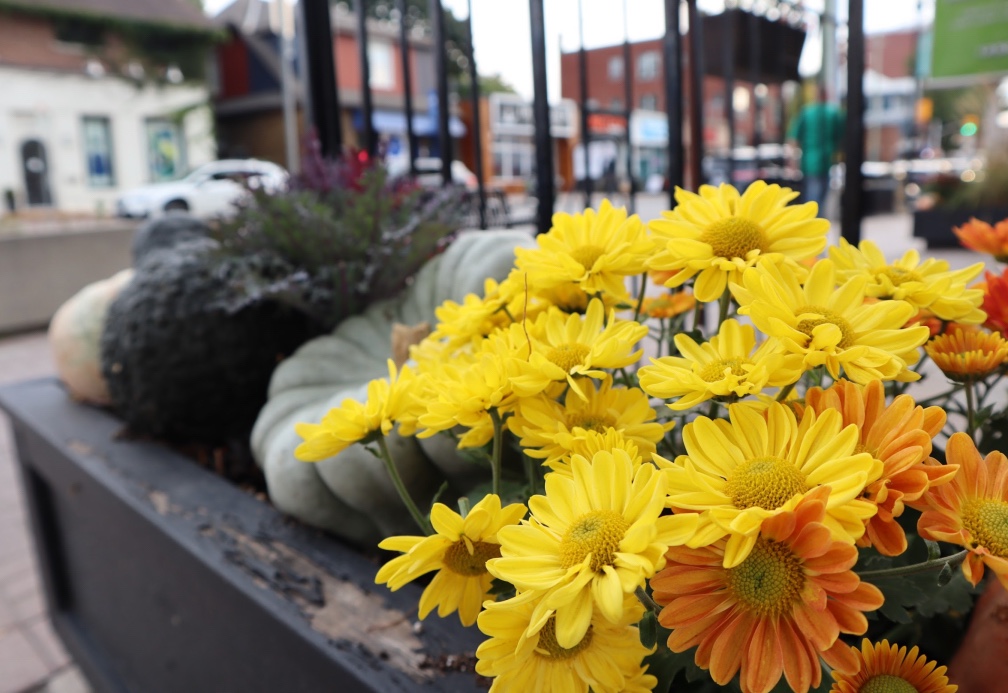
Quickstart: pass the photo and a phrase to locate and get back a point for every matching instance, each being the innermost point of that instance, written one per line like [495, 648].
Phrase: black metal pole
[755, 58]
[321, 67]
[474, 95]
[696, 96]
[541, 113]
[850, 216]
[673, 96]
[367, 108]
[583, 105]
[407, 75]
[729, 87]
[628, 98]
[441, 68]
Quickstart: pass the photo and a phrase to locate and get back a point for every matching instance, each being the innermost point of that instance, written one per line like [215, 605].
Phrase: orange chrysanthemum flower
[668, 305]
[885, 667]
[898, 435]
[995, 301]
[774, 614]
[966, 353]
[982, 237]
[972, 510]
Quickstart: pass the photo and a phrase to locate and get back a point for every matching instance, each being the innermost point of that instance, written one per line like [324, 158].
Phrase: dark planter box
[935, 225]
[162, 577]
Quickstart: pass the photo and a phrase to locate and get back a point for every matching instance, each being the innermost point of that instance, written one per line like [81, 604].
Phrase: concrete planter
[42, 269]
[163, 577]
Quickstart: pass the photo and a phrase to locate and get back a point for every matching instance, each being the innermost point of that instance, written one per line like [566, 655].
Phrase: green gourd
[350, 494]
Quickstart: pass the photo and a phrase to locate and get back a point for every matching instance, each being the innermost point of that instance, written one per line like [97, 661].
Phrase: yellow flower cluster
[743, 521]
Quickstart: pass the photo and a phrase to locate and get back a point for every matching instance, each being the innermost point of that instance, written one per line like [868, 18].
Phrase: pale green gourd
[75, 336]
[350, 494]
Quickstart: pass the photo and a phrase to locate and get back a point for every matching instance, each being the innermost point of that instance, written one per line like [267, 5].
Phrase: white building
[86, 111]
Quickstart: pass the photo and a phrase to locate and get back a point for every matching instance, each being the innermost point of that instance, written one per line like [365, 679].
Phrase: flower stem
[723, 304]
[640, 296]
[498, 444]
[397, 481]
[698, 316]
[785, 391]
[925, 567]
[970, 410]
[646, 600]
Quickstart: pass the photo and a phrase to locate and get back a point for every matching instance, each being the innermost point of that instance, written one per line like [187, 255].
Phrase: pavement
[32, 659]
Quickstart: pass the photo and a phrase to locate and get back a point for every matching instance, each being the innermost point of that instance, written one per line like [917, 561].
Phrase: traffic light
[969, 125]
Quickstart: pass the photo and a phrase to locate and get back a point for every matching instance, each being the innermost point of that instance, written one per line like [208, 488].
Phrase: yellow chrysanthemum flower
[458, 551]
[729, 365]
[566, 347]
[737, 474]
[885, 667]
[523, 654]
[830, 326]
[464, 393]
[928, 285]
[389, 401]
[476, 316]
[966, 353]
[587, 443]
[549, 429]
[595, 251]
[592, 539]
[719, 233]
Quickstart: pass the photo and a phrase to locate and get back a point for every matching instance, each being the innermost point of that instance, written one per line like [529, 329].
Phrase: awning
[394, 123]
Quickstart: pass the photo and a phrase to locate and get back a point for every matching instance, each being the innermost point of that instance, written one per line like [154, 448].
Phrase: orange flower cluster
[985, 238]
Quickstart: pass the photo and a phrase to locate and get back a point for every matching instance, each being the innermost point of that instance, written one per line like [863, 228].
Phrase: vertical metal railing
[672, 46]
[474, 96]
[367, 109]
[628, 105]
[407, 79]
[321, 75]
[444, 108]
[323, 103]
[852, 208]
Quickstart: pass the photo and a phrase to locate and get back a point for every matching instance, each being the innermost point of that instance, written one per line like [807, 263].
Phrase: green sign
[970, 38]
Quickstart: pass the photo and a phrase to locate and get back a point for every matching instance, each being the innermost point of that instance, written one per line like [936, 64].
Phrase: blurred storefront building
[99, 96]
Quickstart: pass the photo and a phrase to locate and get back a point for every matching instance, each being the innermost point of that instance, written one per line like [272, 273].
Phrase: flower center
[566, 356]
[714, 372]
[549, 647]
[734, 237]
[887, 683]
[769, 580]
[987, 522]
[598, 533]
[899, 276]
[587, 255]
[459, 559]
[806, 325]
[600, 423]
[764, 482]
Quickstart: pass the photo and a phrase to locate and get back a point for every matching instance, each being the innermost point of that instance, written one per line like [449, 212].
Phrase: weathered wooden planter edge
[161, 576]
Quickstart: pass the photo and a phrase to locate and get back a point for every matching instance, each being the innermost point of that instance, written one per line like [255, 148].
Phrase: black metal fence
[733, 44]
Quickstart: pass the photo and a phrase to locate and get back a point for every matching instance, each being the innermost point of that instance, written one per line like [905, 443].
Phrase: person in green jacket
[818, 131]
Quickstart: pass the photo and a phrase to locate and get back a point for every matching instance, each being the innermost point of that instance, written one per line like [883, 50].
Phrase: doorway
[35, 167]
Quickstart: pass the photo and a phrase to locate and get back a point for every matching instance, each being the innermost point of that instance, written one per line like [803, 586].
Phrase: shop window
[98, 151]
[647, 66]
[165, 151]
[615, 68]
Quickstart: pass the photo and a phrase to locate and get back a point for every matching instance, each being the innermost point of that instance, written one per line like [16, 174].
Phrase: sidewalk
[32, 659]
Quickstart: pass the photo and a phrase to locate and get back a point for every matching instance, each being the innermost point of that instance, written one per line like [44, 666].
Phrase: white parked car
[210, 191]
[428, 170]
